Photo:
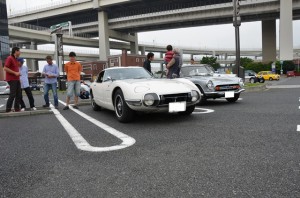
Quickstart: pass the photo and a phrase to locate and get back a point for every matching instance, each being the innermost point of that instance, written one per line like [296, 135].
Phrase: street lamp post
[237, 24]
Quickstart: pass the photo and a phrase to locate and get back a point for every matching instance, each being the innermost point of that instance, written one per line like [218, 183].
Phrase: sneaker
[23, 109]
[56, 107]
[33, 109]
[75, 107]
[66, 108]
[45, 105]
[17, 110]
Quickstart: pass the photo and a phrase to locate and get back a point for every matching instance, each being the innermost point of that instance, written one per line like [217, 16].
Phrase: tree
[245, 61]
[212, 61]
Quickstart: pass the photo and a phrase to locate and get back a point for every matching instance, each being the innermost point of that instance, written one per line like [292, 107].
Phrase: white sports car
[126, 90]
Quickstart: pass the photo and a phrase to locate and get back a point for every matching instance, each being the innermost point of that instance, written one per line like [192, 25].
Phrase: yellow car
[268, 75]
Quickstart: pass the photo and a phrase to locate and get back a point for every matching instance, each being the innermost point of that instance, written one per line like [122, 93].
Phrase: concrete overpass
[123, 17]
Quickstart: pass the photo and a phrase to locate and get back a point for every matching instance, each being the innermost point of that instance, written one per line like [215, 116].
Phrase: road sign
[64, 24]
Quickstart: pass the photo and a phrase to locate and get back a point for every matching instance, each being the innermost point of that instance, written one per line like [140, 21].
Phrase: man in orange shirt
[73, 70]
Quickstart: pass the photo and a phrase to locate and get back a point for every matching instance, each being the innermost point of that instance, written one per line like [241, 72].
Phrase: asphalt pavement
[245, 149]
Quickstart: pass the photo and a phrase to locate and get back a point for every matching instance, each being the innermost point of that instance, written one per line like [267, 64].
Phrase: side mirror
[109, 78]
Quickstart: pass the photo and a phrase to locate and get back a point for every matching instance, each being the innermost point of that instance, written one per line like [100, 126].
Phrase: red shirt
[12, 63]
[169, 55]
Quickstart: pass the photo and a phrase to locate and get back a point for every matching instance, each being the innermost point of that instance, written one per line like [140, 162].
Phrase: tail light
[7, 87]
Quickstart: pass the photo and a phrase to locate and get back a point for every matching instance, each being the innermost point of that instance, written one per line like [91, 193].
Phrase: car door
[108, 81]
[98, 89]
[265, 75]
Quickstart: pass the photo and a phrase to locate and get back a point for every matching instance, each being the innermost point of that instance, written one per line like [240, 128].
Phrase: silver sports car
[211, 84]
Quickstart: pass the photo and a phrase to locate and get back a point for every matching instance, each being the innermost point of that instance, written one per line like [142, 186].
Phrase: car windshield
[3, 84]
[128, 73]
[197, 71]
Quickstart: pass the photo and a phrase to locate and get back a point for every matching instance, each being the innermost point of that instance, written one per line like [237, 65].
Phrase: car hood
[160, 86]
[217, 80]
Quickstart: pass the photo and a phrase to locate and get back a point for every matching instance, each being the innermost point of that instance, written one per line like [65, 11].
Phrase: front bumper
[220, 94]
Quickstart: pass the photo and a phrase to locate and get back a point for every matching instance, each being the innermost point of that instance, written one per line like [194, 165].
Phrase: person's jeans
[47, 87]
[30, 98]
[15, 95]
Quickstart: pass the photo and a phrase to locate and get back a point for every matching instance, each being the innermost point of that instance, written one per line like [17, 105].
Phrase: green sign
[64, 24]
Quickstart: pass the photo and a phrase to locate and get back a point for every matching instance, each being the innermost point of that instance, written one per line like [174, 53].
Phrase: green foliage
[257, 67]
[245, 61]
[286, 66]
[210, 61]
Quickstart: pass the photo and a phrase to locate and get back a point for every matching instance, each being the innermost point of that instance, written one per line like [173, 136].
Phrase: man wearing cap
[73, 70]
[51, 73]
[25, 86]
[11, 67]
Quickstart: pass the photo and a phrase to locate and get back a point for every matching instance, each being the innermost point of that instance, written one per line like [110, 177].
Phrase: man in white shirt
[25, 85]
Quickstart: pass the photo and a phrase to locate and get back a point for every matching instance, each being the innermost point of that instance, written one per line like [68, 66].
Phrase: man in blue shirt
[25, 85]
[51, 73]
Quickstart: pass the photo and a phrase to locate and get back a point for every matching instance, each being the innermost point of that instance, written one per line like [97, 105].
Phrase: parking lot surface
[245, 149]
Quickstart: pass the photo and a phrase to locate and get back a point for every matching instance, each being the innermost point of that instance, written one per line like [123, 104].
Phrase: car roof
[123, 67]
[195, 65]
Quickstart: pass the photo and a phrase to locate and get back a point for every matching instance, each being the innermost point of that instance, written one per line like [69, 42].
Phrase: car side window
[100, 77]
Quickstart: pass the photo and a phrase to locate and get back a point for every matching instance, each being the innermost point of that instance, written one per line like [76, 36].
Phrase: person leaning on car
[147, 63]
[73, 70]
[11, 67]
[174, 65]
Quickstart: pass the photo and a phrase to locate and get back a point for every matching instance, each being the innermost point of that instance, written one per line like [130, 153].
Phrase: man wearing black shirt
[147, 63]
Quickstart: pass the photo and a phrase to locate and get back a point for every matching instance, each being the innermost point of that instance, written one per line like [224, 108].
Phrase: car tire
[203, 98]
[123, 112]
[261, 80]
[234, 99]
[189, 110]
[94, 105]
[252, 80]
[270, 79]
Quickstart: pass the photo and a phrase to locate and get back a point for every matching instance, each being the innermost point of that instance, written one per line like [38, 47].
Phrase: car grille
[166, 99]
[227, 87]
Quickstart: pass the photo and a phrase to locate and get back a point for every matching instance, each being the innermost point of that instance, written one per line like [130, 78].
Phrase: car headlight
[151, 99]
[195, 96]
[241, 82]
[210, 84]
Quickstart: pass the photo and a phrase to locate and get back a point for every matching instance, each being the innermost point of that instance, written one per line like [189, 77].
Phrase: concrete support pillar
[161, 55]
[104, 48]
[134, 46]
[143, 50]
[213, 53]
[269, 40]
[286, 30]
[32, 64]
[225, 58]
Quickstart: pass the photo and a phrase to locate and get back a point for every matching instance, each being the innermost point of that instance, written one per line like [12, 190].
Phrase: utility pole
[237, 24]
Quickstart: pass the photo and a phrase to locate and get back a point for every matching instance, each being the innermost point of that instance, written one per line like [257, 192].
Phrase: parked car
[4, 88]
[268, 75]
[127, 90]
[290, 74]
[212, 86]
[34, 86]
[252, 77]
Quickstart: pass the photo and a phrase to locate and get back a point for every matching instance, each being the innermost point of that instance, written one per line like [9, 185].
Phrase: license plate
[177, 106]
[229, 94]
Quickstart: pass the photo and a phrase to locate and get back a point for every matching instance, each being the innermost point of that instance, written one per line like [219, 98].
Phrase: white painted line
[204, 111]
[81, 143]
[1, 106]
[298, 128]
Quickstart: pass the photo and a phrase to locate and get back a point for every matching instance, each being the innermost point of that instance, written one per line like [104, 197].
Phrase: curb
[3, 114]
[253, 89]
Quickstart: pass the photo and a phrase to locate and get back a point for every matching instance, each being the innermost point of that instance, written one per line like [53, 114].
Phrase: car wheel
[234, 99]
[252, 80]
[203, 98]
[94, 105]
[122, 111]
[262, 80]
[189, 110]
[270, 79]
